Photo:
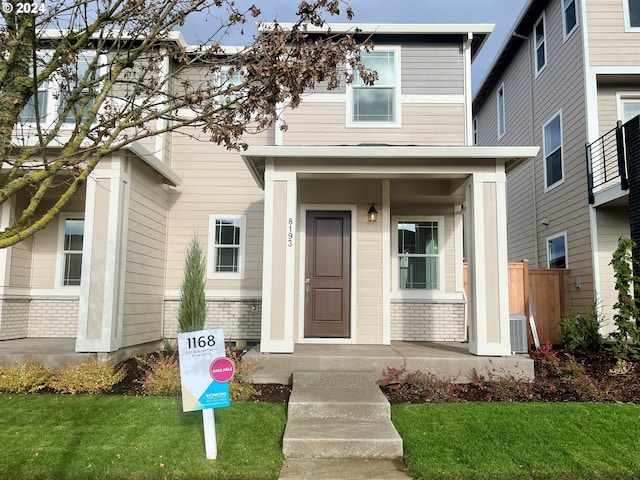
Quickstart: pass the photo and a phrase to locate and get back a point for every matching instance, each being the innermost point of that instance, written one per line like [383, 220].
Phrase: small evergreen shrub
[162, 375]
[90, 377]
[28, 377]
[192, 312]
[581, 332]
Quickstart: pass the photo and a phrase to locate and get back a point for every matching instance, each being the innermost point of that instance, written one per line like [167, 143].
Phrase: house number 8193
[290, 232]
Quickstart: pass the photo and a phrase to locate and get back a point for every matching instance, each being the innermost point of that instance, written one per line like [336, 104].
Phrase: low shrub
[28, 377]
[161, 375]
[90, 377]
[239, 389]
[581, 331]
[547, 357]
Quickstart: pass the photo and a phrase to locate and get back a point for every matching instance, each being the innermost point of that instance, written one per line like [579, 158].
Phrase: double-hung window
[230, 78]
[378, 104]
[557, 251]
[552, 147]
[631, 15]
[501, 111]
[29, 114]
[72, 242]
[419, 256]
[569, 17]
[540, 44]
[226, 245]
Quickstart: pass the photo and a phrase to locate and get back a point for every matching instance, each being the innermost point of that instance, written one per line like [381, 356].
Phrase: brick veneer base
[428, 322]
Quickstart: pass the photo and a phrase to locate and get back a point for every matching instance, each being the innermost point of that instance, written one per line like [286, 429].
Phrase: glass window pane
[69, 84]
[381, 62]
[227, 232]
[554, 167]
[419, 273]
[634, 13]
[540, 61]
[28, 114]
[552, 135]
[73, 234]
[631, 108]
[373, 104]
[227, 259]
[557, 253]
[570, 18]
[72, 269]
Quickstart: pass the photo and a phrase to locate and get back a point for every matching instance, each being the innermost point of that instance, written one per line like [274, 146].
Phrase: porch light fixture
[373, 214]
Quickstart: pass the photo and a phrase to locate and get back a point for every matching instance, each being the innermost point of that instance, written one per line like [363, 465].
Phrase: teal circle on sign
[222, 369]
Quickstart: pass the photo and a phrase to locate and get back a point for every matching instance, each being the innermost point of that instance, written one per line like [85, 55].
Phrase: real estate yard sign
[204, 374]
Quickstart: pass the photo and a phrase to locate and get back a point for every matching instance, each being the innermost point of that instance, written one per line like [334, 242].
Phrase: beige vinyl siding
[214, 181]
[325, 124]
[432, 69]
[46, 245]
[612, 223]
[21, 264]
[607, 108]
[609, 44]
[145, 254]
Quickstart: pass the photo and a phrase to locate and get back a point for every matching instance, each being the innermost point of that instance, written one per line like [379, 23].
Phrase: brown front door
[328, 279]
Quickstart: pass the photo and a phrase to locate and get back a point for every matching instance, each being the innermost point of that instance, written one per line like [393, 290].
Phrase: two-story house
[563, 79]
[345, 229]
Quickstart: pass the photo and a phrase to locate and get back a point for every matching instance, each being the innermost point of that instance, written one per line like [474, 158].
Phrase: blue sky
[502, 13]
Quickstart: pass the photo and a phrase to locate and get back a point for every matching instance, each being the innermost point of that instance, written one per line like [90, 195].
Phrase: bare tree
[81, 79]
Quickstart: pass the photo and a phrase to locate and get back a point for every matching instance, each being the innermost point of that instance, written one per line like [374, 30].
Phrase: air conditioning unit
[518, 328]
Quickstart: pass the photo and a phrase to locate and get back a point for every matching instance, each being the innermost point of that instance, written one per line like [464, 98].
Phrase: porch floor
[51, 352]
[447, 361]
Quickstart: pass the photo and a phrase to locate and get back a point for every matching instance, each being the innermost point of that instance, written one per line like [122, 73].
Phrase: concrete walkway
[339, 427]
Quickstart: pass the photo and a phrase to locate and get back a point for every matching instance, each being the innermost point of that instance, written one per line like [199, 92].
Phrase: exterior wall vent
[518, 329]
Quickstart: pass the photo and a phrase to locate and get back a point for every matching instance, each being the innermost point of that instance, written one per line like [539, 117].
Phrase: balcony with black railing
[607, 164]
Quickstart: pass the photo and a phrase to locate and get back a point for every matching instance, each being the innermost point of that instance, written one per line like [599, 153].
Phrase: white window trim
[53, 92]
[544, 153]
[416, 294]
[211, 266]
[621, 97]
[539, 70]
[566, 247]
[397, 123]
[59, 283]
[501, 111]
[566, 33]
[627, 18]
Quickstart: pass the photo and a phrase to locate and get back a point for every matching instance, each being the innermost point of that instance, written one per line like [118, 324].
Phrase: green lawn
[114, 437]
[520, 440]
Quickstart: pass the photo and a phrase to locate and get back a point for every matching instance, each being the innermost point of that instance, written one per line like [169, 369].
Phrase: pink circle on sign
[222, 369]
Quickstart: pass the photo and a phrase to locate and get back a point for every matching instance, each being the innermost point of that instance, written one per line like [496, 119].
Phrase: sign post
[205, 372]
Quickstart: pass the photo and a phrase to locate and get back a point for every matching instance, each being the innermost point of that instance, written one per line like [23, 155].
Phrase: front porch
[446, 361]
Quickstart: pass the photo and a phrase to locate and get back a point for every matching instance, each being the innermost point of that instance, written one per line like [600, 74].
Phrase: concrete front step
[322, 438]
[329, 378]
[344, 403]
[347, 469]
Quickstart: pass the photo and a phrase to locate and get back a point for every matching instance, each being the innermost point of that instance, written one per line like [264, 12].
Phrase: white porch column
[104, 249]
[278, 277]
[488, 268]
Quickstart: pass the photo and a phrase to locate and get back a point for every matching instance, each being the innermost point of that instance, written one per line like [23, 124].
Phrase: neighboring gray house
[567, 74]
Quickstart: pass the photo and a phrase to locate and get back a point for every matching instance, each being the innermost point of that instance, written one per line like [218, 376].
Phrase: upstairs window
[79, 73]
[230, 78]
[226, 245]
[540, 44]
[501, 111]
[631, 15]
[72, 251]
[553, 162]
[630, 108]
[569, 17]
[378, 104]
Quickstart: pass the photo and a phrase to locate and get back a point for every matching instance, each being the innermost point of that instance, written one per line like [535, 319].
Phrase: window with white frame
[377, 104]
[475, 130]
[631, 15]
[501, 111]
[557, 251]
[552, 147]
[630, 106]
[569, 17]
[230, 78]
[227, 235]
[419, 255]
[53, 95]
[540, 44]
[72, 243]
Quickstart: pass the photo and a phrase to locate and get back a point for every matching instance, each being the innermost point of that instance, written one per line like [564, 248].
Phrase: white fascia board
[389, 151]
[393, 28]
[150, 159]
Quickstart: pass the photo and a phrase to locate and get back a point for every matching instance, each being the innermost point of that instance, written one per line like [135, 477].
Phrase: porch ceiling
[381, 161]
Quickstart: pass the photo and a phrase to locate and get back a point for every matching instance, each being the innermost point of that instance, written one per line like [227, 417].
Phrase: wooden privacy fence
[543, 292]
